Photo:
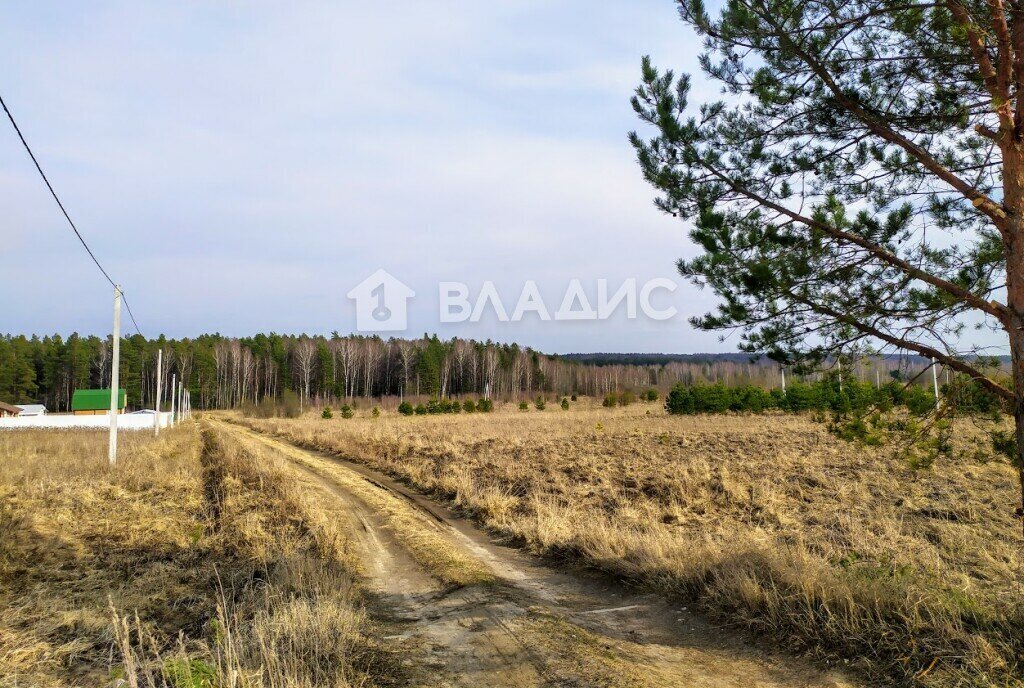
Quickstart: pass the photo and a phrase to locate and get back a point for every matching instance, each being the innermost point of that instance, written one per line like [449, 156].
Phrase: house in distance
[32, 410]
[96, 402]
[9, 410]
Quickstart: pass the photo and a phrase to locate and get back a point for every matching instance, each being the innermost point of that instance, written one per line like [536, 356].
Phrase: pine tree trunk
[1018, 419]
[1013, 244]
[1017, 364]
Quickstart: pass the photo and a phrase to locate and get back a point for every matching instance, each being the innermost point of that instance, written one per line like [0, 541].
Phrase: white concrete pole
[115, 378]
[878, 379]
[174, 386]
[935, 382]
[159, 389]
[840, 375]
[783, 380]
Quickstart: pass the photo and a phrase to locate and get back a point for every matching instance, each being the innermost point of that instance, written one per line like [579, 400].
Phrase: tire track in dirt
[439, 617]
[450, 636]
[533, 626]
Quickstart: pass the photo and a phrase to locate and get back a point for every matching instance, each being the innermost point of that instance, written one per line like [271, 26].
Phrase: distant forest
[604, 359]
[225, 372]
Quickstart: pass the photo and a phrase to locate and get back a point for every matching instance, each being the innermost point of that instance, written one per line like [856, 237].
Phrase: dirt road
[469, 612]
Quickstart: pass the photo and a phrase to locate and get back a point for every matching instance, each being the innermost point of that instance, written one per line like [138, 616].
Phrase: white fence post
[159, 389]
[115, 378]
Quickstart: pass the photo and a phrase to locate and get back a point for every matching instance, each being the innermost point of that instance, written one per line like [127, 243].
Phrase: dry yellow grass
[185, 563]
[769, 520]
[423, 540]
[78, 537]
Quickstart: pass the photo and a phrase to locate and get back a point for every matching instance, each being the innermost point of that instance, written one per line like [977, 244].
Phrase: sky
[239, 167]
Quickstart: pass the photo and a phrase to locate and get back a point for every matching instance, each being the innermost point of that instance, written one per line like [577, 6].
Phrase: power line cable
[63, 210]
[130, 314]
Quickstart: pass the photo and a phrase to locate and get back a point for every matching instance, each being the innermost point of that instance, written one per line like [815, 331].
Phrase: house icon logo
[381, 303]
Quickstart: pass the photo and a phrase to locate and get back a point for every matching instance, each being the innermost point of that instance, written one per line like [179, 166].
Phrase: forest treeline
[829, 394]
[227, 372]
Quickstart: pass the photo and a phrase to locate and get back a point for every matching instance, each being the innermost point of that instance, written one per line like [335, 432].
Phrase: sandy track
[522, 623]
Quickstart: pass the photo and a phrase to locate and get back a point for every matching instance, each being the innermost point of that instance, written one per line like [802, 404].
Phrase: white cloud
[264, 157]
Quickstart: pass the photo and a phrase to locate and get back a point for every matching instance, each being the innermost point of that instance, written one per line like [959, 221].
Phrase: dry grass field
[908, 575]
[190, 565]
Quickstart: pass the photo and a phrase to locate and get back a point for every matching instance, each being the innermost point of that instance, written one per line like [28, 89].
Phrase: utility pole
[159, 389]
[783, 369]
[935, 382]
[174, 386]
[115, 378]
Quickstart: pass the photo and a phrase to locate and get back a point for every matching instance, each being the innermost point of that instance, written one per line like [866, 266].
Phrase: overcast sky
[240, 166]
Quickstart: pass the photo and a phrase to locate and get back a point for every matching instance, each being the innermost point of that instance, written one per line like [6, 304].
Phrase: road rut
[520, 623]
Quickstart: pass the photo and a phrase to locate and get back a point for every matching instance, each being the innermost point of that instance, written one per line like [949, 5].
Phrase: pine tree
[861, 187]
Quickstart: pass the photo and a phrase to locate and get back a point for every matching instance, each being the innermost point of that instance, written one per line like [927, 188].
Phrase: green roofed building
[96, 402]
